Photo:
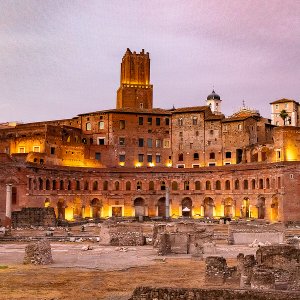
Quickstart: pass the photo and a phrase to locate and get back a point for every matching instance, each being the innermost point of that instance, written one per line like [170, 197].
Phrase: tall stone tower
[135, 90]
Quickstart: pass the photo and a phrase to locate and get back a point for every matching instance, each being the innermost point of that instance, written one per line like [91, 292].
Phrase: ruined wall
[34, 217]
[148, 293]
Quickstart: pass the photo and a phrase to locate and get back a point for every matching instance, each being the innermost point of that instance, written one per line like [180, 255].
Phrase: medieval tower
[135, 90]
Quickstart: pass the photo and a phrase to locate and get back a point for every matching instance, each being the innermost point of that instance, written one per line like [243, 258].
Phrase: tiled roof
[190, 109]
[157, 111]
[283, 100]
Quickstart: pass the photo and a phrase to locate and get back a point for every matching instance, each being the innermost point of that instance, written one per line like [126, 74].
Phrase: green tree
[283, 115]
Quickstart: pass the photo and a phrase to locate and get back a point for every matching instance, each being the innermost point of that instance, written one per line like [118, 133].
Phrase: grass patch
[3, 267]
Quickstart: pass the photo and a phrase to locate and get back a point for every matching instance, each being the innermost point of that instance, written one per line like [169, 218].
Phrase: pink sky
[62, 58]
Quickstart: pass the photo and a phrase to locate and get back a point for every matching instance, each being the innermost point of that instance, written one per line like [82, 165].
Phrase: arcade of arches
[195, 197]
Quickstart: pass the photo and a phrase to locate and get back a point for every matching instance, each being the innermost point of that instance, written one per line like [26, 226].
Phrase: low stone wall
[245, 234]
[34, 216]
[148, 293]
[126, 235]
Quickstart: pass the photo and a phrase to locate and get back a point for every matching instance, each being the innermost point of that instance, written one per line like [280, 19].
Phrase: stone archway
[228, 207]
[139, 207]
[208, 205]
[274, 209]
[245, 209]
[77, 208]
[61, 206]
[187, 205]
[161, 207]
[261, 208]
[96, 206]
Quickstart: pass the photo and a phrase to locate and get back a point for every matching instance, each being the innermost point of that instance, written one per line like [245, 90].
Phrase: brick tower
[135, 90]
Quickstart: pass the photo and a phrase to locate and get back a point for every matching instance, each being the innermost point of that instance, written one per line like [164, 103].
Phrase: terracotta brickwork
[120, 162]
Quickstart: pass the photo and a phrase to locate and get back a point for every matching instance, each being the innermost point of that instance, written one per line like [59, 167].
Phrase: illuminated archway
[139, 207]
[274, 209]
[96, 206]
[261, 208]
[208, 205]
[186, 205]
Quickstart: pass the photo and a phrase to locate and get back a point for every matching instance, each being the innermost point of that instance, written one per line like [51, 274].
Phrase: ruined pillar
[167, 203]
[8, 205]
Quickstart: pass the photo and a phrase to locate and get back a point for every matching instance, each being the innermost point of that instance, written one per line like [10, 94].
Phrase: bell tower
[135, 90]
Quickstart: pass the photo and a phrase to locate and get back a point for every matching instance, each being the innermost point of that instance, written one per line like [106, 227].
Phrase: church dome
[213, 96]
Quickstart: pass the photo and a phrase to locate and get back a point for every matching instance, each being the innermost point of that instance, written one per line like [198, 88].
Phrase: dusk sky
[62, 58]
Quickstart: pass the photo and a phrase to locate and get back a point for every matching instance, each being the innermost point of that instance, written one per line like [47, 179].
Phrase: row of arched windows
[41, 184]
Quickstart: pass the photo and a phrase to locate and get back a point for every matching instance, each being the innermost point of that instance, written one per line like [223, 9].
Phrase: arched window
[95, 186]
[54, 185]
[237, 184]
[174, 186]
[267, 183]
[180, 157]
[196, 156]
[227, 185]
[40, 184]
[151, 186]
[86, 185]
[163, 186]
[186, 185]
[253, 184]
[197, 185]
[105, 185]
[117, 185]
[77, 185]
[61, 185]
[218, 185]
[14, 195]
[30, 183]
[212, 155]
[139, 185]
[128, 186]
[69, 185]
[208, 185]
[245, 184]
[88, 126]
[261, 183]
[47, 184]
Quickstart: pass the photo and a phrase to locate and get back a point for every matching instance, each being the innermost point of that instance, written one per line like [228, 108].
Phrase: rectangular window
[180, 122]
[141, 158]
[141, 121]
[195, 120]
[196, 166]
[52, 150]
[101, 125]
[98, 156]
[21, 149]
[122, 124]
[167, 121]
[149, 120]
[141, 142]
[122, 158]
[157, 121]
[121, 141]
[149, 143]
[149, 158]
[211, 164]
[166, 143]
[158, 143]
[228, 154]
[157, 158]
[180, 166]
[36, 149]
[101, 141]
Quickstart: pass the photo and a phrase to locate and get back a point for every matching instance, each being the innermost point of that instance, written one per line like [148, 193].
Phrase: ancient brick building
[120, 162]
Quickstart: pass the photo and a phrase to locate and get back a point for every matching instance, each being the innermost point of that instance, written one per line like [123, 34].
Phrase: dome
[213, 95]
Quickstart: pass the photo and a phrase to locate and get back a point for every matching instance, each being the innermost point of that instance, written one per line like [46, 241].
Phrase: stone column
[8, 205]
[167, 203]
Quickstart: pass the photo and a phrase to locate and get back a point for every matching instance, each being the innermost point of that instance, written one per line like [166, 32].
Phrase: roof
[157, 111]
[283, 100]
[190, 109]
[215, 117]
[236, 119]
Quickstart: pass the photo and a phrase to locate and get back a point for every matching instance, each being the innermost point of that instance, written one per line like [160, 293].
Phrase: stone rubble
[38, 253]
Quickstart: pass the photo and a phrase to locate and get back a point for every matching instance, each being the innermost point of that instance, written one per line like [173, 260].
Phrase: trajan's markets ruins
[185, 191]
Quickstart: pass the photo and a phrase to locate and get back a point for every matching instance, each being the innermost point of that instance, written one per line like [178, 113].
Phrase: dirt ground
[101, 273]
